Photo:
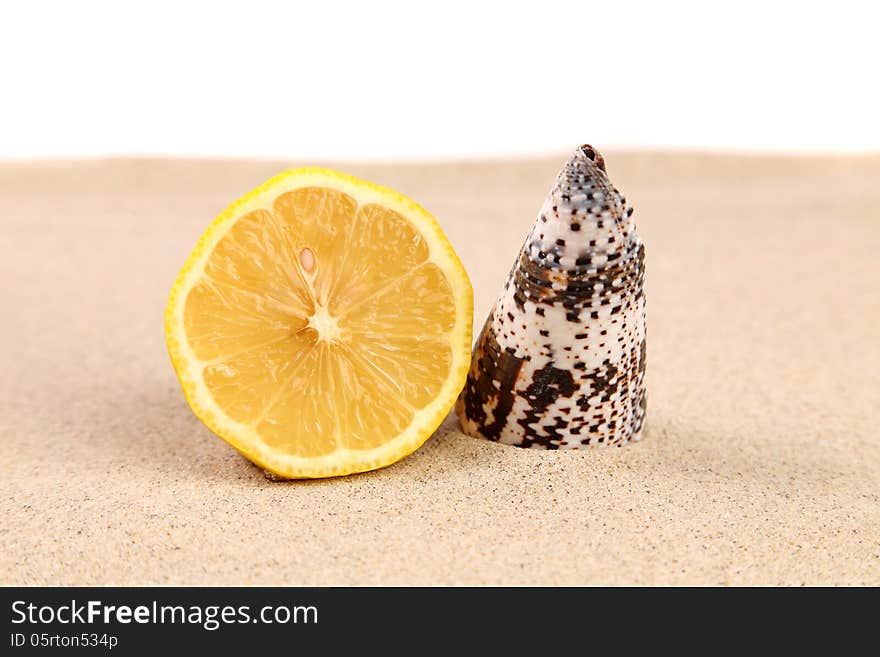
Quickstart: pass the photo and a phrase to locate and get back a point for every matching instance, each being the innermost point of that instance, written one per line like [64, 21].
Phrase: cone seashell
[560, 362]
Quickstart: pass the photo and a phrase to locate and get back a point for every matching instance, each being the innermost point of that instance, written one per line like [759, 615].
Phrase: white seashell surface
[560, 362]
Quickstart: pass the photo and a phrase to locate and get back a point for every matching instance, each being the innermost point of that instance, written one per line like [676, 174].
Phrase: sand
[760, 465]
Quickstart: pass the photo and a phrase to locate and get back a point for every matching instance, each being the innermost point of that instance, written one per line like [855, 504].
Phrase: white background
[373, 79]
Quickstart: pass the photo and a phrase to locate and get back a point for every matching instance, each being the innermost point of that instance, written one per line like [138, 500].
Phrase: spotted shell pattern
[560, 362]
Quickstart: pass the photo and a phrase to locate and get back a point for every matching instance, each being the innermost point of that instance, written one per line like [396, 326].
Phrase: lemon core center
[325, 324]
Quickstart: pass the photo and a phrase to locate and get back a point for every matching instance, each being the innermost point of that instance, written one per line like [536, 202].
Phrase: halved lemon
[322, 325]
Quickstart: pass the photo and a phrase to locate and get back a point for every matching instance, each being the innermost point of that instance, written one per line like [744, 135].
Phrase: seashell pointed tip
[587, 151]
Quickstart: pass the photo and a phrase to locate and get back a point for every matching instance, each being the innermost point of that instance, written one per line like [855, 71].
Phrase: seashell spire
[560, 362]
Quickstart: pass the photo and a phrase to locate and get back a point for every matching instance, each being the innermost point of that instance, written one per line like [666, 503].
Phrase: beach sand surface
[761, 457]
